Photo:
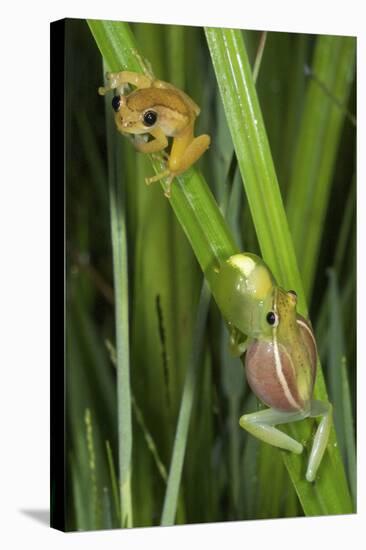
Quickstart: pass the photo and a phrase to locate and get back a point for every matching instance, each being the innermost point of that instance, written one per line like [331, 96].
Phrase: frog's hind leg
[262, 425]
[323, 409]
[186, 150]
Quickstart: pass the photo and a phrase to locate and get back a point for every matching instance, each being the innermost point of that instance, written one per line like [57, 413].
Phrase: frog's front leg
[118, 81]
[262, 425]
[323, 409]
[238, 342]
[157, 144]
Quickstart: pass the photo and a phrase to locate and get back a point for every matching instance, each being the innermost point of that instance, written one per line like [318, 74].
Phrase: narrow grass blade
[140, 420]
[107, 509]
[345, 234]
[271, 482]
[114, 482]
[79, 498]
[249, 482]
[338, 382]
[85, 362]
[341, 265]
[258, 58]
[176, 466]
[281, 88]
[120, 275]
[96, 500]
[233, 384]
[317, 144]
[149, 441]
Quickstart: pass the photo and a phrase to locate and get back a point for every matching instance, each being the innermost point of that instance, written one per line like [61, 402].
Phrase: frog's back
[155, 97]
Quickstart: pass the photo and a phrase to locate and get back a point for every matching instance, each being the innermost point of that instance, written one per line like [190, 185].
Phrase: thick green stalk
[330, 493]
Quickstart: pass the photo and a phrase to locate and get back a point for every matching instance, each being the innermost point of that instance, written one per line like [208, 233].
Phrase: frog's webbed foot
[169, 178]
[120, 81]
[238, 342]
[114, 82]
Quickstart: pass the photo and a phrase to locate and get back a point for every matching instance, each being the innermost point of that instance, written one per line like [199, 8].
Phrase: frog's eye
[150, 118]
[272, 318]
[116, 103]
[292, 292]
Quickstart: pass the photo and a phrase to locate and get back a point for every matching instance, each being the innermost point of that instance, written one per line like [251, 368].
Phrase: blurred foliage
[227, 474]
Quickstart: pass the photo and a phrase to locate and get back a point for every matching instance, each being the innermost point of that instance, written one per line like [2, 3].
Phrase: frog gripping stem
[281, 355]
[159, 110]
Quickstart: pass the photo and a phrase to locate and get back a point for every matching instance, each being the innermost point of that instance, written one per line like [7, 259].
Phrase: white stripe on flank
[281, 377]
[308, 329]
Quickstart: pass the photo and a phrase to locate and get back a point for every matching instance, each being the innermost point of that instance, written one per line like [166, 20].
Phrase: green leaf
[181, 434]
[330, 493]
[339, 384]
[120, 276]
[313, 166]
